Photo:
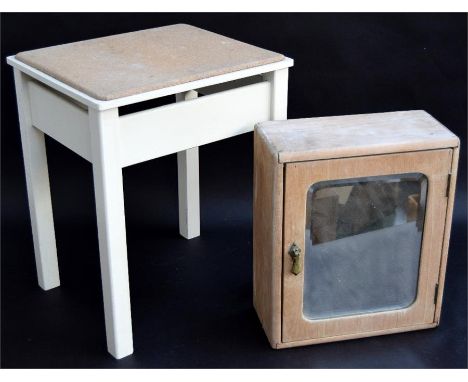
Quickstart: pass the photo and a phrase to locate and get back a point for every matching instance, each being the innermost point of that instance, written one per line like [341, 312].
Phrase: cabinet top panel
[354, 135]
[132, 63]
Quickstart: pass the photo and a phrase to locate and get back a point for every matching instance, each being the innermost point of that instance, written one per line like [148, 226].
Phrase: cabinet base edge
[353, 336]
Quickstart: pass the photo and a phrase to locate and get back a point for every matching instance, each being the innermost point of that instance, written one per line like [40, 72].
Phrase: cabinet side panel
[448, 226]
[267, 238]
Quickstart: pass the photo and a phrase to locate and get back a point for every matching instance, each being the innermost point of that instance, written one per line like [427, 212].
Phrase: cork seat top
[132, 63]
[354, 135]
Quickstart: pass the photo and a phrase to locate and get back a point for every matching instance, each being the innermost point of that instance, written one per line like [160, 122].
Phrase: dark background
[192, 300]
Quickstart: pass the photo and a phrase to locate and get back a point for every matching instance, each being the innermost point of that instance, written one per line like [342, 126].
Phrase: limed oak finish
[352, 219]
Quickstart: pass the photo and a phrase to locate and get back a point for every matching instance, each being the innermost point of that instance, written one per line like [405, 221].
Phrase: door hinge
[436, 293]
[447, 190]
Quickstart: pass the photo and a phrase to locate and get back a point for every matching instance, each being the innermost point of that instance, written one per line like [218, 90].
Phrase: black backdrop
[191, 300]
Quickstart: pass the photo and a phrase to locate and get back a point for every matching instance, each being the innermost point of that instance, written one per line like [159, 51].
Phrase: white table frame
[93, 129]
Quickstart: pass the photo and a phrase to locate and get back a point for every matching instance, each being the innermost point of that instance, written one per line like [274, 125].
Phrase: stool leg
[37, 182]
[189, 194]
[108, 189]
[279, 93]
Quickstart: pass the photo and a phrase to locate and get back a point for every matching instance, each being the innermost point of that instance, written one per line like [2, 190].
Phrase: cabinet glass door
[362, 244]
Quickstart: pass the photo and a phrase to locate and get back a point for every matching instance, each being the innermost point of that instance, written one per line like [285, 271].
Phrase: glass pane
[363, 244]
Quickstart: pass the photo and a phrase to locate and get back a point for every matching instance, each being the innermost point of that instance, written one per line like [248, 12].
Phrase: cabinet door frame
[435, 165]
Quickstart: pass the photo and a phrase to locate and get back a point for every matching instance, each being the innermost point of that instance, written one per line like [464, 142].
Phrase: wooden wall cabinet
[352, 219]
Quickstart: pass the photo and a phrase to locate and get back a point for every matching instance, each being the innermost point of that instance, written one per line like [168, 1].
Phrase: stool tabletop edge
[123, 101]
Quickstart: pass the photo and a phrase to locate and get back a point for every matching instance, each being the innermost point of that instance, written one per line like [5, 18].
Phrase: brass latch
[295, 253]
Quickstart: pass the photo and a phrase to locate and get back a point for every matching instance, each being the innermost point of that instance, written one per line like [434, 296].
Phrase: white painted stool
[73, 92]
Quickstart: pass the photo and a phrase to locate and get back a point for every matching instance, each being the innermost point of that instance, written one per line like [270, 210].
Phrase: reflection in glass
[363, 244]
